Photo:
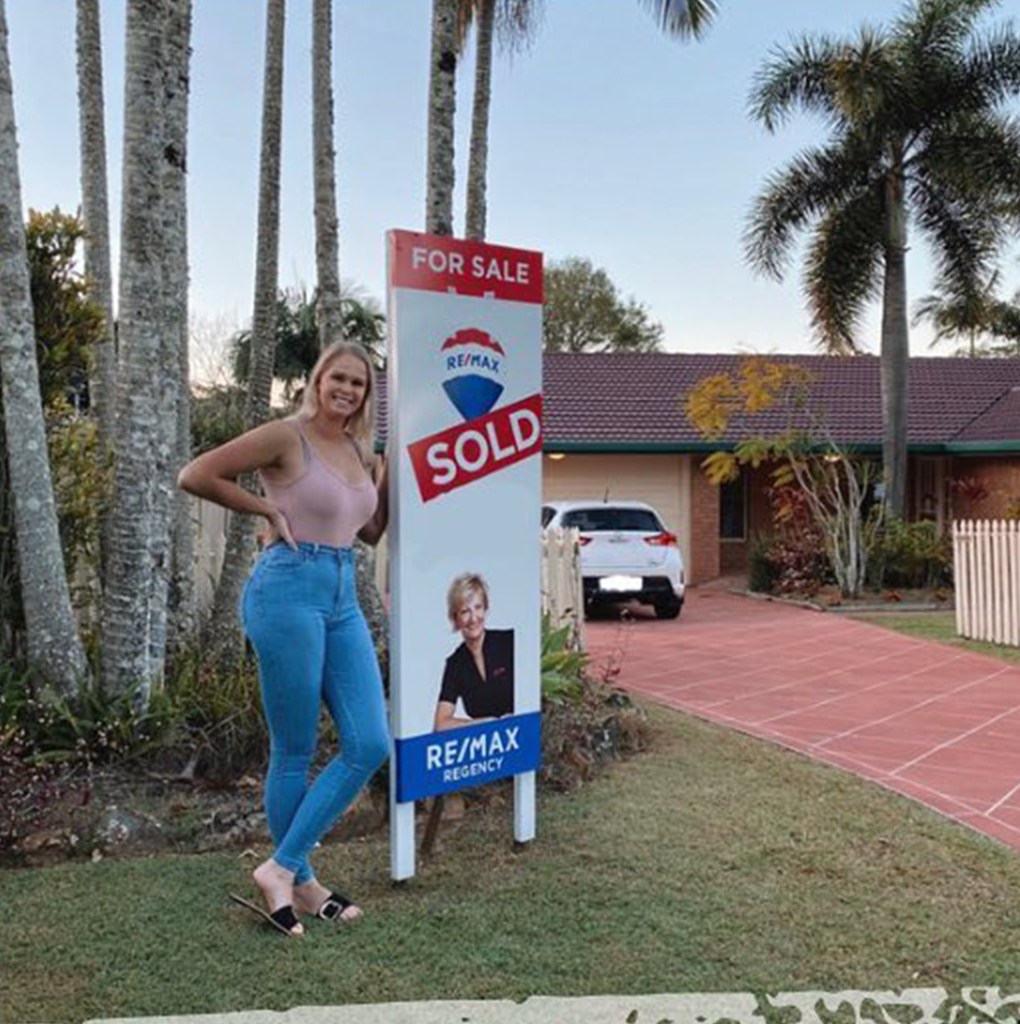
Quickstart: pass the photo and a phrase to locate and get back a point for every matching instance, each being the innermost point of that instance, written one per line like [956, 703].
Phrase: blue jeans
[301, 613]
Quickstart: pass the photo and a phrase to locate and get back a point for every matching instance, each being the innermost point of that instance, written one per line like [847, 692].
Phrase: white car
[626, 553]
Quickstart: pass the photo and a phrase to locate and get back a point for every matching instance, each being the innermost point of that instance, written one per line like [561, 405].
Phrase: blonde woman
[322, 488]
[480, 672]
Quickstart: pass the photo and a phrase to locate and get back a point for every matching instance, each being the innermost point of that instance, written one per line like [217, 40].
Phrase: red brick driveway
[926, 720]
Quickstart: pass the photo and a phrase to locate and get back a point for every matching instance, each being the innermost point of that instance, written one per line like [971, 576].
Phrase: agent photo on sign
[478, 681]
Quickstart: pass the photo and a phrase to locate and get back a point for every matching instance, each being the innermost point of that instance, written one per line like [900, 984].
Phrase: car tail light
[662, 540]
[582, 540]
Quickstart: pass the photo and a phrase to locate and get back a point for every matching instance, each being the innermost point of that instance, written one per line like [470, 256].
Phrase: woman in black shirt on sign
[480, 672]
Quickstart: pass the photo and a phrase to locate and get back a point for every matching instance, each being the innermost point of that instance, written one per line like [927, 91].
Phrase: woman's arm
[373, 530]
[446, 718]
[213, 475]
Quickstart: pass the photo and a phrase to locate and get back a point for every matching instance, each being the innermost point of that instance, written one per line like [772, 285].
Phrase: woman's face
[471, 616]
[343, 385]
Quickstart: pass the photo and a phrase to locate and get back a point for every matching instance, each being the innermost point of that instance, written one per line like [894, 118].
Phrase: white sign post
[465, 429]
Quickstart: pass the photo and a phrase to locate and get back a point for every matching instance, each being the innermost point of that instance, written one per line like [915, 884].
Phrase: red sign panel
[472, 450]
[440, 264]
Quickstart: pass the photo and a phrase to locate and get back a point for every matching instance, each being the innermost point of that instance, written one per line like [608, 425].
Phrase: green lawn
[939, 626]
[713, 863]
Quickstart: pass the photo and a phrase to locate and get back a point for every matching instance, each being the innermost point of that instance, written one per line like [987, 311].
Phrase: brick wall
[704, 562]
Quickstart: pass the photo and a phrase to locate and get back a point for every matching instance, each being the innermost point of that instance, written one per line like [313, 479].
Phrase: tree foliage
[297, 336]
[990, 326]
[68, 325]
[584, 312]
[809, 467]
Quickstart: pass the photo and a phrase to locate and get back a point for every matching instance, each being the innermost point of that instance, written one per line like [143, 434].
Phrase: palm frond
[684, 19]
[815, 181]
[965, 237]
[517, 24]
[989, 73]
[939, 27]
[795, 77]
[842, 271]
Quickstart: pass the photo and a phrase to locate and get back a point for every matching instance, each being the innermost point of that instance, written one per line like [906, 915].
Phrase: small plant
[563, 663]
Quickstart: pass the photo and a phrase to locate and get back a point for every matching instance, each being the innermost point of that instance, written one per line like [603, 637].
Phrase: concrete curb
[924, 1006]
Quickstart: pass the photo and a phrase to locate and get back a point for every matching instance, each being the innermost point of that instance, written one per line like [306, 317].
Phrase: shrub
[29, 786]
[915, 555]
[761, 571]
[218, 718]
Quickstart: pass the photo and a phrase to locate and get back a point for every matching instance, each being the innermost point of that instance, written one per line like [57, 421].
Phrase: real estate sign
[465, 428]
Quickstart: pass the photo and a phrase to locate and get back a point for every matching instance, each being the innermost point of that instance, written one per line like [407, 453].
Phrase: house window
[733, 510]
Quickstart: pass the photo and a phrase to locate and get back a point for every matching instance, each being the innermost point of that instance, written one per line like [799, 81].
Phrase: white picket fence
[986, 568]
[562, 590]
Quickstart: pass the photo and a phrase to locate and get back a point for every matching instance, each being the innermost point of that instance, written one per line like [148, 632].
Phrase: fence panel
[562, 589]
[986, 560]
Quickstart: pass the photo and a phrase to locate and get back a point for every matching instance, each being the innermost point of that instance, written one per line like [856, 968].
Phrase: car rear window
[593, 520]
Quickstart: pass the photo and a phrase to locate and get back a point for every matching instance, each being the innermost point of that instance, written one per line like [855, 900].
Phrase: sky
[608, 140]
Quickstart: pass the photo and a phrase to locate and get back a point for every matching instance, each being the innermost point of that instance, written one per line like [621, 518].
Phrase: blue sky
[608, 140]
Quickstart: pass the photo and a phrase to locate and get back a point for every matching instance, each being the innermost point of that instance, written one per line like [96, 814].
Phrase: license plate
[620, 583]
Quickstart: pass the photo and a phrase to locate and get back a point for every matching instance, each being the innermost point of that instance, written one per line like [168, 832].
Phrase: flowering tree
[835, 485]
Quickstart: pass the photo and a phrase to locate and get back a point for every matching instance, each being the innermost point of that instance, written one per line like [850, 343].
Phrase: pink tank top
[320, 505]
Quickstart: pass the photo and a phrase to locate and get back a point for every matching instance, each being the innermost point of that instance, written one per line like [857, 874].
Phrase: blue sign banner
[440, 762]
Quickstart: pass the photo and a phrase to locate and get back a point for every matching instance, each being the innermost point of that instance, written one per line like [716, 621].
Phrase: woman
[480, 672]
[300, 611]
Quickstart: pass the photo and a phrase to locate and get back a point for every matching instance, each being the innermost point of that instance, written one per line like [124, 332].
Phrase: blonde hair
[361, 426]
[461, 589]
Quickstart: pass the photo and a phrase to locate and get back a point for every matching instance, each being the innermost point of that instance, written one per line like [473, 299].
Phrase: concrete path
[934, 723]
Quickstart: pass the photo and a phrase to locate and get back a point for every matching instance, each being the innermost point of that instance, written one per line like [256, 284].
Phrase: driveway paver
[933, 723]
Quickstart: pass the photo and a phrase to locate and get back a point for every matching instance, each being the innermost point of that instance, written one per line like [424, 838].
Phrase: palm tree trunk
[146, 384]
[442, 108]
[895, 348]
[328, 312]
[474, 222]
[54, 647]
[222, 634]
[96, 216]
[180, 593]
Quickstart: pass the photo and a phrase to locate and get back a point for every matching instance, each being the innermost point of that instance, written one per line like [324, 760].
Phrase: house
[615, 425]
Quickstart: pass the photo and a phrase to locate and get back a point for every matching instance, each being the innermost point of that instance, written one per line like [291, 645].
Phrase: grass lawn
[715, 862]
[939, 626]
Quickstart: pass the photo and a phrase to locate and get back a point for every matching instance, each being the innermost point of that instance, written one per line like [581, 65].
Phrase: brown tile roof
[636, 401]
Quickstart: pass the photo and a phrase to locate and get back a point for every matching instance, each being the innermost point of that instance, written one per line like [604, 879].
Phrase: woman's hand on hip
[278, 529]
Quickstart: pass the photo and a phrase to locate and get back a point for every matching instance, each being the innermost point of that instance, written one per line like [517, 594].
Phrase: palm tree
[513, 22]
[96, 216]
[297, 336]
[917, 136]
[147, 374]
[442, 110]
[329, 315]
[977, 314]
[180, 593]
[54, 647]
[222, 632]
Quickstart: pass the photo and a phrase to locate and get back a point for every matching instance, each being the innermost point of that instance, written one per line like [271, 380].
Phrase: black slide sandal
[333, 907]
[283, 920]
